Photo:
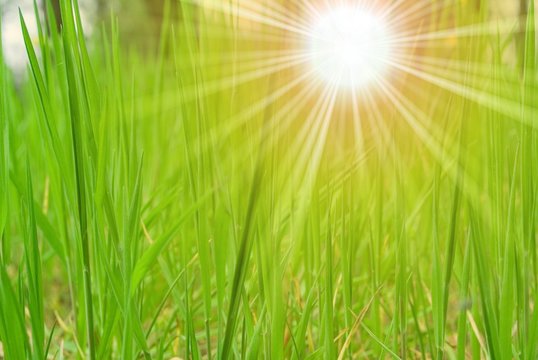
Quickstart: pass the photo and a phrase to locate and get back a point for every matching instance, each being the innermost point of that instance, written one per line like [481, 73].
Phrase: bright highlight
[349, 46]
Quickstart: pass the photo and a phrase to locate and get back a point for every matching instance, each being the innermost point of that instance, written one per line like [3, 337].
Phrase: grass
[207, 199]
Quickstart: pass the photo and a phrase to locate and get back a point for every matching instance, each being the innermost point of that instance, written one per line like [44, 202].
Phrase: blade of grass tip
[49, 341]
[45, 55]
[43, 96]
[33, 268]
[88, 74]
[79, 159]
[53, 136]
[163, 302]
[241, 263]
[245, 247]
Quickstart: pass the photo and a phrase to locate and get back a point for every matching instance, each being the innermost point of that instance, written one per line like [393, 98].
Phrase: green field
[206, 196]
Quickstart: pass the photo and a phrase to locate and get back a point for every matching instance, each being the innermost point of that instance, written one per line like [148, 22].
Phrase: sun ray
[308, 136]
[510, 108]
[346, 45]
[315, 144]
[282, 118]
[249, 57]
[377, 122]
[207, 88]
[477, 68]
[450, 164]
[251, 15]
[357, 123]
[289, 110]
[460, 74]
[493, 28]
[420, 10]
[261, 64]
[288, 14]
[309, 141]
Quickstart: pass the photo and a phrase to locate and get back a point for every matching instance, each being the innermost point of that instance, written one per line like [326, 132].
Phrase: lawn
[238, 188]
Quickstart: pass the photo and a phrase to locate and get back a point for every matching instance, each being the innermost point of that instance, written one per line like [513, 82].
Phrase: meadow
[212, 196]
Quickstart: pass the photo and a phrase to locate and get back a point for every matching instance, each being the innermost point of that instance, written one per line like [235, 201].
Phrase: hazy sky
[15, 53]
[12, 41]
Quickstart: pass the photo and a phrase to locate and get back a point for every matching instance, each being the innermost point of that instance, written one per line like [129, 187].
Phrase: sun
[349, 46]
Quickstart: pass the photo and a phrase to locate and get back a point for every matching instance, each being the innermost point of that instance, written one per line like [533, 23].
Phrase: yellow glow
[349, 46]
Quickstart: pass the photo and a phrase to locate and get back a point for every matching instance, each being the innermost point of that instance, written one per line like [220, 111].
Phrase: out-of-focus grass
[206, 200]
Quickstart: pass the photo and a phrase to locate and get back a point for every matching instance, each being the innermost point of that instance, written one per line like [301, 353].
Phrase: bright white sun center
[349, 46]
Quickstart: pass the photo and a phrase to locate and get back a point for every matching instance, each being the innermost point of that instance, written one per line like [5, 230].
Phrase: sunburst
[362, 62]
[349, 45]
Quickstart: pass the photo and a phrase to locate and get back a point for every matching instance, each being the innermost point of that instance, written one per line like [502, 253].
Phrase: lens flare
[349, 46]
